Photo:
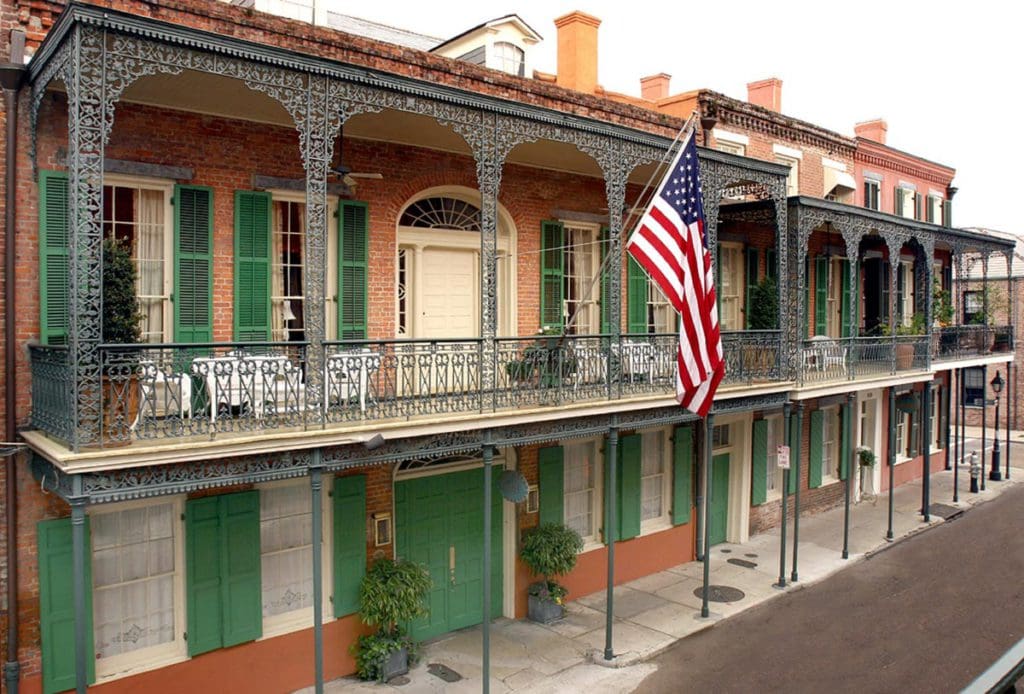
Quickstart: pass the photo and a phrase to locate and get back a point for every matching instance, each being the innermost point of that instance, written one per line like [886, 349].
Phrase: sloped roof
[381, 32]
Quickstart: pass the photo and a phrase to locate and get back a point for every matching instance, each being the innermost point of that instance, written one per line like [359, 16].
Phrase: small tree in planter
[392, 594]
[549, 550]
[122, 326]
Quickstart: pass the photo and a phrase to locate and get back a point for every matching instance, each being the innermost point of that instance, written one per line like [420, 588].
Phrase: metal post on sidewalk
[700, 494]
[947, 414]
[926, 449]
[955, 426]
[795, 457]
[851, 400]
[316, 503]
[786, 409]
[488, 460]
[891, 459]
[1009, 396]
[984, 421]
[963, 431]
[609, 537]
[709, 428]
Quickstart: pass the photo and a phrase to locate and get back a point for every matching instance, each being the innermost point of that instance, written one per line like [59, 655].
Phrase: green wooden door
[439, 523]
[718, 505]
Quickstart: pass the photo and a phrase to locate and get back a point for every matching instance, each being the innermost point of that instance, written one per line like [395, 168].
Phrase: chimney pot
[654, 87]
[766, 93]
[873, 130]
[577, 51]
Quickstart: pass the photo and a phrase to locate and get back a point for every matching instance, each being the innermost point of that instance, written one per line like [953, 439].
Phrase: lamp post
[994, 474]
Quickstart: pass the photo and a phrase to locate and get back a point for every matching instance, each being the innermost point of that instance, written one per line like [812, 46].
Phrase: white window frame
[659, 308]
[593, 540]
[151, 657]
[302, 618]
[903, 430]
[831, 420]
[791, 157]
[935, 416]
[776, 437]
[170, 270]
[734, 270]
[878, 194]
[731, 147]
[578, 286]
[277, 302]
[664, 521]
[909, 287]
[502, 61]
[907, 197]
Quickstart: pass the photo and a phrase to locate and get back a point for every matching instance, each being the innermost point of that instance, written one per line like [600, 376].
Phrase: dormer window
[509, 58]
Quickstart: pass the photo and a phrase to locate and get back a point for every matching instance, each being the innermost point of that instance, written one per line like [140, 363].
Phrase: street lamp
[994, 474]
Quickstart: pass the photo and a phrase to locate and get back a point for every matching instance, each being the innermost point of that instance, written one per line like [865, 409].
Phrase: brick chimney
[873, 130]
[766, 93]
[654, 87]
[577, 51]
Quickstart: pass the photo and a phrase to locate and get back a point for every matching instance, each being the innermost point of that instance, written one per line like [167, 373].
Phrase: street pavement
[927, 615]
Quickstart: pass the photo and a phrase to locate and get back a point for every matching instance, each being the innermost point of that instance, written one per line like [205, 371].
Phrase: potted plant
[392, 594]
[866, 458]
[764, 315]
[121, 326]
[549, 550]
[905, 349]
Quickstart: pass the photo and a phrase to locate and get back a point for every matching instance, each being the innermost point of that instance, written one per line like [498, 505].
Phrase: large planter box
[543, 611]
[904, 357]
[396, 664]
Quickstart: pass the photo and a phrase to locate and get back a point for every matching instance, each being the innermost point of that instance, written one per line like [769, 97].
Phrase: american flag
[669, 243]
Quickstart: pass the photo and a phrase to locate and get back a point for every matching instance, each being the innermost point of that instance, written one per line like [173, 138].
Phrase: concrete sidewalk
[653, 612]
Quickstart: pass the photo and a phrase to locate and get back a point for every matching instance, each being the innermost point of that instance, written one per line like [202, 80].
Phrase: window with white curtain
[830, 443]
[135, 593]
[661, 317]
[654, 480]
[582, 292]
[935, 417]
[286, 550]
[582, 493]
[136, 215]
[286, 268]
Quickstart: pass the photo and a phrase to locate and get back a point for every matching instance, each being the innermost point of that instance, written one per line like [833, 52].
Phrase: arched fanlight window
[442, 213]
[509, 58]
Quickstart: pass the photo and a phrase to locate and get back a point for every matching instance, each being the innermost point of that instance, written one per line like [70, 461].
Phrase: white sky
[945, 76]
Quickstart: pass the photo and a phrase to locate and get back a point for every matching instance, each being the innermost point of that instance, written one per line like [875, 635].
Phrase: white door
[449, 305]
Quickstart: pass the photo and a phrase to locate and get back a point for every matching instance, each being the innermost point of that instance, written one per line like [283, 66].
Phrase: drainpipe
[11, 76]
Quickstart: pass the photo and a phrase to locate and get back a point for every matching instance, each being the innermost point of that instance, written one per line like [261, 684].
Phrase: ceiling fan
[348, 176]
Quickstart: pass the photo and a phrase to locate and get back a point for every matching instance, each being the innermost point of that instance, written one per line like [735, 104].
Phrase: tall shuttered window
[872, 195]
[193, 260]
[655, 480]
[571, 254]
[830, 443]
[774, 473]
[53, 258]
[732, 295]
[353, 244]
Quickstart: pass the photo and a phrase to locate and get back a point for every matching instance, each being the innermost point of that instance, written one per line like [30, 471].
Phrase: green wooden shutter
[349, 497]
[202, 574]
[794, 445]
[846, 441]
[222, 566]
[193, 260]
[816, 452]
[846, 324]
[353, 249]
[552, 271]
[57, 605]
[759, 458]
[636, 309]
[821, 268]
[54, 280]
[551, 473]
[252, 266]
[947, 213]
[886, 282]
[627, 485]
[682, 475]
[771, 263]
[751, 282]
[240, 557]
[900, 284]
[606, 275]
[929, 209]
[897, 201]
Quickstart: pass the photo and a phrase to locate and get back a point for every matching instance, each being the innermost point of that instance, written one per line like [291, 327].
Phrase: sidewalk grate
[945, 511]
[721, 594]
[743, 562]
[444, 672]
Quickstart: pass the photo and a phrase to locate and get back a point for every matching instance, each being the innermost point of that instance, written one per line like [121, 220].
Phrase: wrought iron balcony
[837, 359]
[164, 391]
[967, 341]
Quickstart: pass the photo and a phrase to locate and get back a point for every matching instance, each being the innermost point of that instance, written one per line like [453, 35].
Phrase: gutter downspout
[11, 76]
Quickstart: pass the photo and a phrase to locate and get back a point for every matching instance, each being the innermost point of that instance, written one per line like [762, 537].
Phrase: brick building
[369, 279]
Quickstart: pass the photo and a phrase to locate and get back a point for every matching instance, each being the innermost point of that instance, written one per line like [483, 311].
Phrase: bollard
[975, 472]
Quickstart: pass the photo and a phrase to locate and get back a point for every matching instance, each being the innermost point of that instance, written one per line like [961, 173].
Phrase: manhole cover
[945, 511]
[398, 681]
[726, 551]
[720, 593]
[444, 672]
[743, 562]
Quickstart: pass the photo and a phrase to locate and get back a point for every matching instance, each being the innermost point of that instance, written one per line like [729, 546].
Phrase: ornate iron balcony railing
[825, 359]
[966, 341]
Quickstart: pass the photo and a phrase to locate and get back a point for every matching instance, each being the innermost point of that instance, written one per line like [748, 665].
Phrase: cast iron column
[700, 493]
[926, 449]
[851, 399]
[891, 459]
[795, 453]
[947, 415]
[1009, 399]
[609, 536]
[315, 486]
[488, 457]
[955, 426]
[78, 560]
[787, 408]
[709, 428]
[984, 419]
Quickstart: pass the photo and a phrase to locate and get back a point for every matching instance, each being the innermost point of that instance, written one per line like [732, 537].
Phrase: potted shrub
[392, 594]
[549, 550]
[866, 458]
[121, 326]
[764, 315]
[905, 349]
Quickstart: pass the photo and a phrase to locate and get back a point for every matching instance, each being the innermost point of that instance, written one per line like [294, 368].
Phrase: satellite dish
[513, 486]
